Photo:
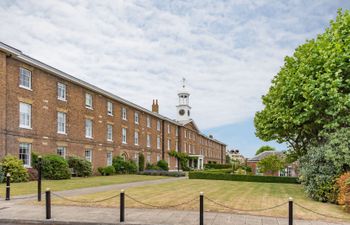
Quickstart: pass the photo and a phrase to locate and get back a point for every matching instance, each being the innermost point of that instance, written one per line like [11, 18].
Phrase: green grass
[74, 183]
[235, 194]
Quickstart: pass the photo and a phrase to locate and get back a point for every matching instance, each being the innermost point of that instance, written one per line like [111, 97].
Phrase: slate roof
[262, 155]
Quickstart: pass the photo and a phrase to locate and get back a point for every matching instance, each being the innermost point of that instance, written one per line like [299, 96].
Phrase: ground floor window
[24, 153]
[88, 155]
[149, 157]
[109, 158]
[61, 151]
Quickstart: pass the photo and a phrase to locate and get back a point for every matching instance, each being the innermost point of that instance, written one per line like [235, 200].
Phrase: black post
[48, 203]
[290, 211]
[122, 206]
[8, 187]
[201, 209]
[39, 177]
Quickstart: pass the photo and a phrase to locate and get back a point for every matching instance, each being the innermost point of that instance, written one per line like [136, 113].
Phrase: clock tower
[183, 108]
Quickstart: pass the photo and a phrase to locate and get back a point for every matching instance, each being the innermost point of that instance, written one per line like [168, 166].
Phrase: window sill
[62, 133]
[91, 138]
[109, 140]
[27, 88]
[88, 107]
[124, 143]
[108, 114]
[28, 128]
[62, 99]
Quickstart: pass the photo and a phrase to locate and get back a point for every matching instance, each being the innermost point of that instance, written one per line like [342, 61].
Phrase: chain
[321, 214]
[244, 210]
[159, 206]
[77, 201]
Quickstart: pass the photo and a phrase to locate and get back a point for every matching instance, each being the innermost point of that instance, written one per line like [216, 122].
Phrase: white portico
[196, 162]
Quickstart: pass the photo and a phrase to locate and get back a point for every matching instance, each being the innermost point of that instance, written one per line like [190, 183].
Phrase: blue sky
[228, 50]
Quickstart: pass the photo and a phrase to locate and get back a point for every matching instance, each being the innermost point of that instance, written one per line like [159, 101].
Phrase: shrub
[342, 185]
[34, 159]
[162, 164]
[217, 166]
[55, 168]
[81, 167]
[162, 173]
[124, 166]
[141, 162]
[14, 166]
[150, 166]
[106, 171]
[248, 178]
[2, 173]
[33, 174]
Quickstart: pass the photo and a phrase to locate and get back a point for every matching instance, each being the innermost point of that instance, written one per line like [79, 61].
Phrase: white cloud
[229, 51]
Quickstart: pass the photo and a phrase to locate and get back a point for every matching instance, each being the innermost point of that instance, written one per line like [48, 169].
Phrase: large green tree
[271, 164]
[311, 93]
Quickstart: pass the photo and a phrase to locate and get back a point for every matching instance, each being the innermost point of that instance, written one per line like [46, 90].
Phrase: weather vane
[183, 82]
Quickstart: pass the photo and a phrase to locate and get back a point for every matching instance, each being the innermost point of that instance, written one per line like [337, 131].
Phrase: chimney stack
[155, 106]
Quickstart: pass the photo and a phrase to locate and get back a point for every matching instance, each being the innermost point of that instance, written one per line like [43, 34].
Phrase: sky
[228, 51]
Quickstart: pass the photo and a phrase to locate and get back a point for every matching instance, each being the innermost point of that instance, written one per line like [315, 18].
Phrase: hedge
[217, 166]
[248, 178]
[163, 173]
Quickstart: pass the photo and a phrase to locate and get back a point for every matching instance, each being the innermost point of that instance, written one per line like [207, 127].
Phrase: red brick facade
[45, 105]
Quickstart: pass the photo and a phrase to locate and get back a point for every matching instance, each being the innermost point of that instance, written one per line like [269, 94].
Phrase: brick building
[47, 111]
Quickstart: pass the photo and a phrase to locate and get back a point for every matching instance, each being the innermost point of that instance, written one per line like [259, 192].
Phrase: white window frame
[177, 145]
[168, 128]
[88, 156]
[109, 158]
[61, 91]
[109, 108]
[148, 157]
[148, 140]
[61, 151]
[124, 114]
[61, 123]
[169, 144]
[88, 128]
[88, 101]
[158, 142]
[124, 135]
[148, 122]
[158, 157]
[27, 156]
[109, 132]
[136, 138]
[25, 115]
[177, 131]
[136, 118]
[23, 75]
[158, 125]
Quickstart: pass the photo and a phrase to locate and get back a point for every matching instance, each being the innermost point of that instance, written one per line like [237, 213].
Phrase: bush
[323, 164]
[81, 167]
[2, 173]
[150, 166]
[55, 168]
[162, 173]
[106, 171]
[33, 174]
[14, 166]
[34, 159]
[217, 166]
[248, 178]
[342, 185]
[162, 164]
[124, 166]
[141, 162]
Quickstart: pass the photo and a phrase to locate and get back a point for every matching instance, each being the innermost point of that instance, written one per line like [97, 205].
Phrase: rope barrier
[85, 201]
[321, 214]
[159, 206]
[244, 210]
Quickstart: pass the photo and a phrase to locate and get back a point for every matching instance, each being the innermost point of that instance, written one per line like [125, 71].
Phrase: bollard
[290, 211]
[122, 206]
[39, 177]
[8, 176]
[201, 208]
[48, 203]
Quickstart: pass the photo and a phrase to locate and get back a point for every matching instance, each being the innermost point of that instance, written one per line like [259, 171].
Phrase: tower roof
[183, 89]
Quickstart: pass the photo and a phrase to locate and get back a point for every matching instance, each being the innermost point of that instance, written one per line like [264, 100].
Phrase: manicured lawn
[74, 183]
[241, 195]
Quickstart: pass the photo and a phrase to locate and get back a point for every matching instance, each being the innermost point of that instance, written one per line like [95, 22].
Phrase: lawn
[74, 183]
[235, 194]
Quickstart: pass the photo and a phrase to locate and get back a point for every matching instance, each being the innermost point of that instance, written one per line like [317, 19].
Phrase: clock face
[182, 112]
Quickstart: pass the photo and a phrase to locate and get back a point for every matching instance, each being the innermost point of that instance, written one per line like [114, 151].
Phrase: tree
[141, 162]
[264, 149]
[227, 159]
[311, 93]
[271, 164]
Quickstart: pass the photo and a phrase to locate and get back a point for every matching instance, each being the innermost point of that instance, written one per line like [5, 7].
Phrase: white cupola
[183, 108]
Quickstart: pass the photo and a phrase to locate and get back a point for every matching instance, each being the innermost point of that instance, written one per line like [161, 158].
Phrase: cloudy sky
[227, 50]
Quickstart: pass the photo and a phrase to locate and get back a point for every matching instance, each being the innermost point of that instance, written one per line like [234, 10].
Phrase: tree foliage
[264, 149]
[323, 164]
[271, 164]
[311, 93]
